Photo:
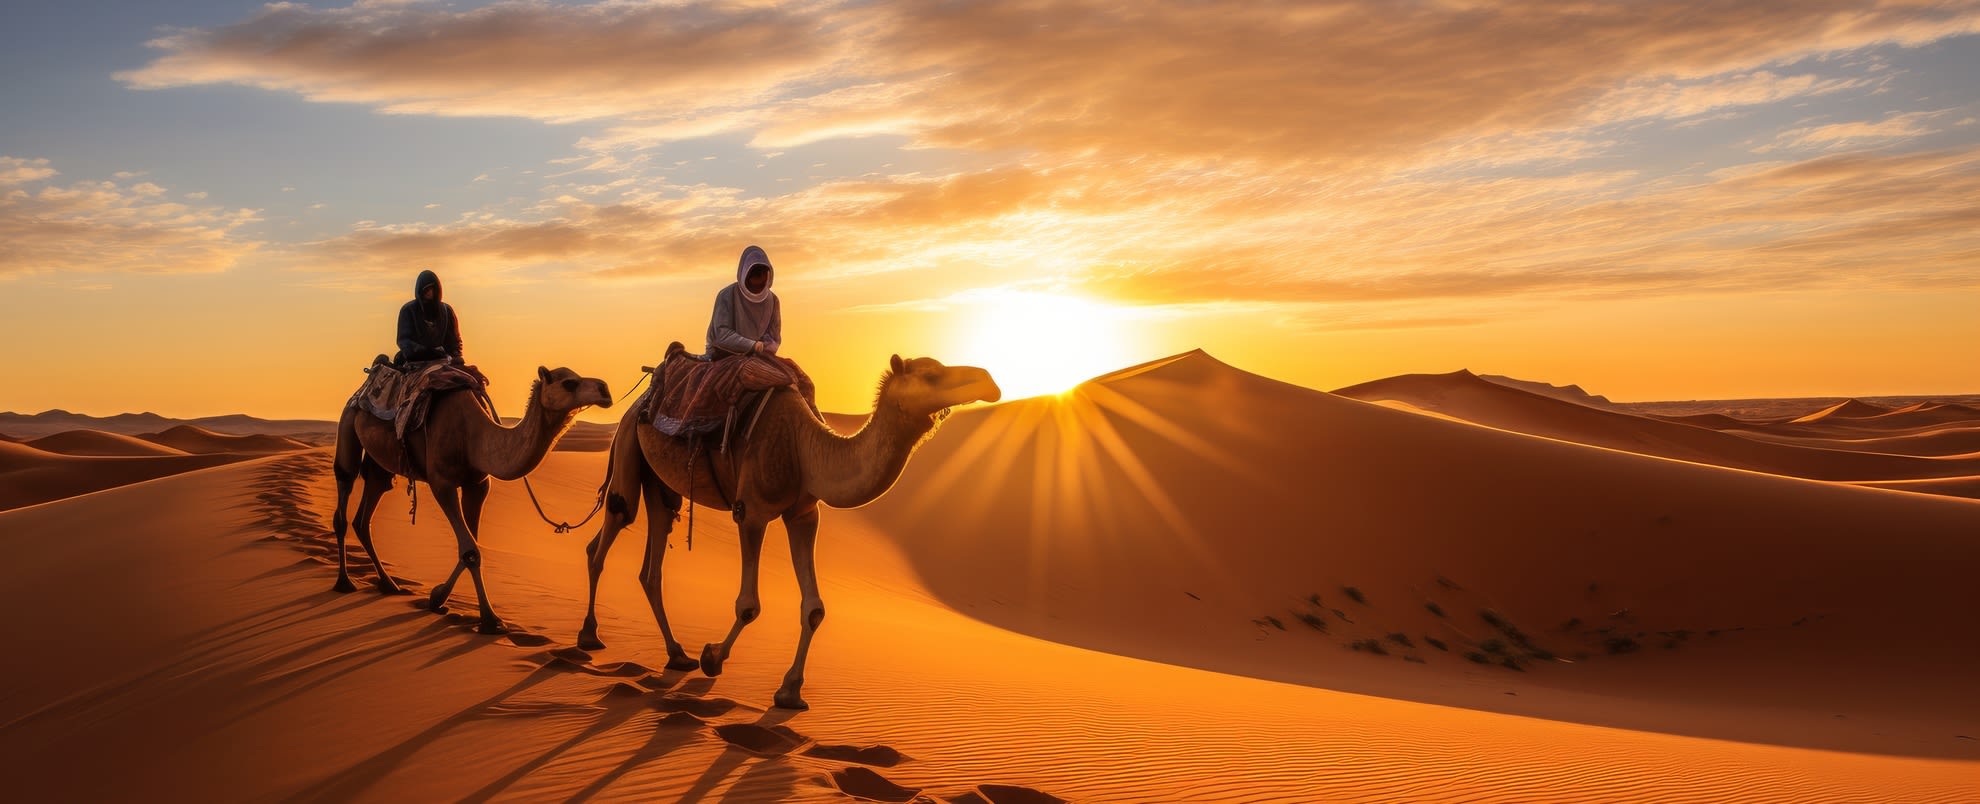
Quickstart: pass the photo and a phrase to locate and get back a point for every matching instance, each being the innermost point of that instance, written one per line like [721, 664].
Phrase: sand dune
[1465, 396]
[1781, 409]
[1846, 409]
[307, 695]
[93, 442]
[201, 441]
[29, 476]
[1198, 573]
[49, 422]
[1289, 534]
[1938, 442]
[1949, 486]
[1565, 393]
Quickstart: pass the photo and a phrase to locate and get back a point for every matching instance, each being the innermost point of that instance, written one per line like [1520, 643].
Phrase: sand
[95, 442]
[1069, 595]
[201, 441]
[1850, 441]
[29, 476]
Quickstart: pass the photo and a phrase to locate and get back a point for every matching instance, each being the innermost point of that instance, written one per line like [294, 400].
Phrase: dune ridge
[1467, 397]
[201, 441]
[97, 442]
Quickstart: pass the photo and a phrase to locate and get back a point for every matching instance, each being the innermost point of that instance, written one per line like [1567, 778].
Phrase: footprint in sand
[773, 741]
[1006, 794]
[863, 783]
[879, 756]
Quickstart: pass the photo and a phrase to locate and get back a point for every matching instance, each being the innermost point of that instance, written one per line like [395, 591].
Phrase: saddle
[403, 396]
[692, 396]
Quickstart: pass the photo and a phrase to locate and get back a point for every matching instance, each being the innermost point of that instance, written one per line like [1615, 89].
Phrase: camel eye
[570, 385]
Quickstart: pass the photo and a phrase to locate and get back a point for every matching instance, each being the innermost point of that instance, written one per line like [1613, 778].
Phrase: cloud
[91, 227]
[1854, 133]
[14, 170]
[1327, 81]
[1159, 152]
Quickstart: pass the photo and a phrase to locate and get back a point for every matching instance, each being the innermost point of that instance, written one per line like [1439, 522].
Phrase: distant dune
[201, 441]
[1565, 393]
[1846, 409]
[95, 442]
[29, 476]
[25, 426]
[1468, 397]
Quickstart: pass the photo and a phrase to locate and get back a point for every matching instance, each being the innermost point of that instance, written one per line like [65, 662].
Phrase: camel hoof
[711, 660]
[437, 600]
[682, 662]
[387, 586]
[344, 584]
[590, 641]
[790, 699]
[491, 626]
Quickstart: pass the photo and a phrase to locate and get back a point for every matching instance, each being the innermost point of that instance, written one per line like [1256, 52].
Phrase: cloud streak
[103, 227]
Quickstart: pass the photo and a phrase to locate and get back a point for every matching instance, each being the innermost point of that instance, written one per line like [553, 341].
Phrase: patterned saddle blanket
[404, 396]
[693, 396]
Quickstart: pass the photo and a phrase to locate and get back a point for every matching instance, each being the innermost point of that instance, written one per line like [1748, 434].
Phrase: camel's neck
[851, 471]
[511, 452]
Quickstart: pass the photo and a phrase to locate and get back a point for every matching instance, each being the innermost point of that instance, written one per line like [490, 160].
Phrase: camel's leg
[345, 468]
[450, 503]
[622, 491]
[802, 526]
[750, 534]
[661, 506]
[377, 481]
[473, 496]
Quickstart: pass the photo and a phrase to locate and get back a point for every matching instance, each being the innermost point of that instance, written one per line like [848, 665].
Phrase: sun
[1036, 344]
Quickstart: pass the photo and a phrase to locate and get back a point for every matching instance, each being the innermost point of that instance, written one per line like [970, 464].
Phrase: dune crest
[201, 441]
[96, 442]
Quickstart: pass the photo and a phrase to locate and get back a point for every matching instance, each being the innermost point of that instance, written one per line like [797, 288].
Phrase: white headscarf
[752, 257]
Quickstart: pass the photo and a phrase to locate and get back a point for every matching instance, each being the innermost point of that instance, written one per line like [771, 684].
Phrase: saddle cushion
[691, 395]
[403, 397]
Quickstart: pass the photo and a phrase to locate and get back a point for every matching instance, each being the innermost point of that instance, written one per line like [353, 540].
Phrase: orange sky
[1653, 200]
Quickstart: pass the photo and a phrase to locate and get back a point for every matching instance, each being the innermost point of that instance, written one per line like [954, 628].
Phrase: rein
[563, 527]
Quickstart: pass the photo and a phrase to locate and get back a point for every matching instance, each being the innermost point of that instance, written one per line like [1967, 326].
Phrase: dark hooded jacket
[741, 318]
[428, 333]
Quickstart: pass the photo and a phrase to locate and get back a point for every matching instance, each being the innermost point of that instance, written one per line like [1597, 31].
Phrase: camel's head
[924, 387]
[562, 390]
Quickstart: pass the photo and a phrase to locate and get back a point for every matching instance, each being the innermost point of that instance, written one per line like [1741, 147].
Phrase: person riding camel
[748, 319]
[428, 328]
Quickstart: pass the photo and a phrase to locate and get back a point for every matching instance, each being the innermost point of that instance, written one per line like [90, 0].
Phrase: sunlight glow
[1037, 344]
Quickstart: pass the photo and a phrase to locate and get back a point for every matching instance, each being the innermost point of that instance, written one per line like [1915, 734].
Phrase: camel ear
[898, 365]
[543, 374]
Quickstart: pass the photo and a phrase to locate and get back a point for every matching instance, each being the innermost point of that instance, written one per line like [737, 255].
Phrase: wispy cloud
[1855, 133]
[104, 227]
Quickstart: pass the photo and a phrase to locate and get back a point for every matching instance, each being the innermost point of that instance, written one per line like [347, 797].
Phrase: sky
[217, 207]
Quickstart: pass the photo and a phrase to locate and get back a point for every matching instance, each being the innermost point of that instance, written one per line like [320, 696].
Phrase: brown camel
[789, 464]
[458, 450]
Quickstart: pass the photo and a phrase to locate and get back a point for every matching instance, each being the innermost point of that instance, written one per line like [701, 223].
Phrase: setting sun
[1041, 343]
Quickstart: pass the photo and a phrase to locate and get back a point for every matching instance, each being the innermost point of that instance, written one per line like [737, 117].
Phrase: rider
[428, 329]
[748, 320]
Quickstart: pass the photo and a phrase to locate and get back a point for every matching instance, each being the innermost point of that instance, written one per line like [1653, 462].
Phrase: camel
[790, 463]
[458, 450]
